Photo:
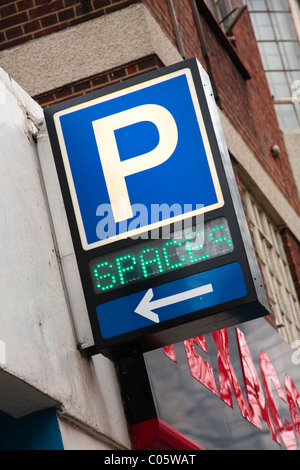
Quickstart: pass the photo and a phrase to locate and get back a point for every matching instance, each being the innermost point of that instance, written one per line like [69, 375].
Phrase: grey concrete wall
[41, 365]
[88, 49]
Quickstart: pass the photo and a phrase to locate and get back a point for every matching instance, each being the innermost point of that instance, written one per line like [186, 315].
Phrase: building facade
[60, 49]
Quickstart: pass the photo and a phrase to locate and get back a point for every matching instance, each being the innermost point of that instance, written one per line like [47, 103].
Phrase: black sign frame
[251, 306]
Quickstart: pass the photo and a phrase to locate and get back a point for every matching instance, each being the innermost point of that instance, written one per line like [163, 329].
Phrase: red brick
[24, 4]
[48, 20]
[116, 74]
[14, 32]
[122, 4]
[45, 99]
[32, 26]
[146, 63]
[100, 3]
[100, 80]
[63, 92]
[4, 2]
[46, 9]
[69, 3]
[83, 86]
[132, 69]
[8, 10]
[41, 2]
[51, 29]
[65, 15]
[13, 20]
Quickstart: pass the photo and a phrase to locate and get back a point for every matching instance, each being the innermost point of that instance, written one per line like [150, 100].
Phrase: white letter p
[116, 170]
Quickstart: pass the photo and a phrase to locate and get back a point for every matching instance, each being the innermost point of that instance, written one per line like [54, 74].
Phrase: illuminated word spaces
[155, 257]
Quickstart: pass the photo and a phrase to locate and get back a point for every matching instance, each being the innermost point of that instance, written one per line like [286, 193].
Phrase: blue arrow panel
[118, 316]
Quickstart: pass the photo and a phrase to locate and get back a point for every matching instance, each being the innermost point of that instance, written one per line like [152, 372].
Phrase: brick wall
[186, 23]
[24, 20]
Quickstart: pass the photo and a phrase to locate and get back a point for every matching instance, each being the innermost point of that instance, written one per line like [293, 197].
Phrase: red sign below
[236, 388]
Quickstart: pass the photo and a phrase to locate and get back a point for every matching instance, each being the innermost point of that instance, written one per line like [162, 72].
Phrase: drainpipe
[176, 27]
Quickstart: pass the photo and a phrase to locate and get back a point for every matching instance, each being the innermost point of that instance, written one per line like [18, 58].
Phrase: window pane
[275, 270]
[291, 54]
[270, 55]
[278, 84]
[262, 26]
[284, 26]
[286, 116]
[294, 81]
[224, 8]
[280, 5]
[294, 77]
[256, 5]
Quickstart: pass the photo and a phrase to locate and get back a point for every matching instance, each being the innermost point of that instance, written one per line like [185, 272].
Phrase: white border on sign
[116, 94]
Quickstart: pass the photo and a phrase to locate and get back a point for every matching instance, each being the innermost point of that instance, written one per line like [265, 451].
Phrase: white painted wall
[41, 365]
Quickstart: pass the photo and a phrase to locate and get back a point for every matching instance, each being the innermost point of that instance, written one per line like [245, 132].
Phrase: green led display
[155, 257]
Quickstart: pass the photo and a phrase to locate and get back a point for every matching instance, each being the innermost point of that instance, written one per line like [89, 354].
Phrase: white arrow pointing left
[145, 306]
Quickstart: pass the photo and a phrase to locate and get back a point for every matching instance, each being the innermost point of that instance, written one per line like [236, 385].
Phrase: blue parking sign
[159, 233]
[131, 153]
